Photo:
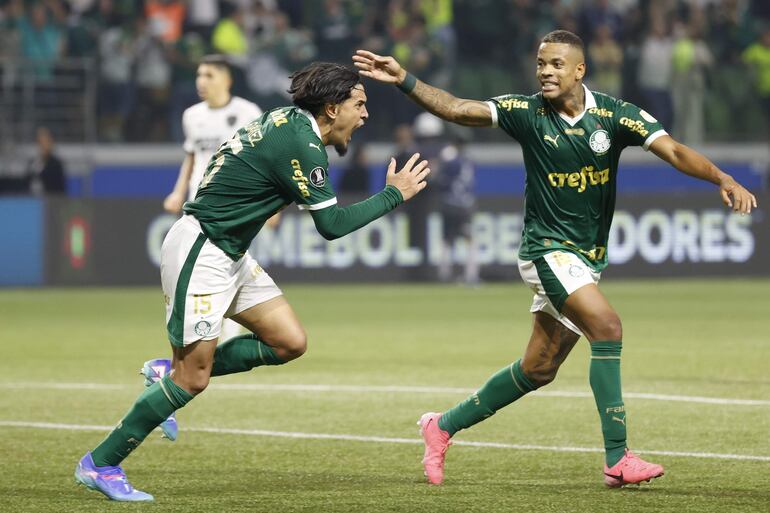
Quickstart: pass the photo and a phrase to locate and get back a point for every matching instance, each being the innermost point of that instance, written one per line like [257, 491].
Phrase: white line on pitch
[391, 389]
[383, 439]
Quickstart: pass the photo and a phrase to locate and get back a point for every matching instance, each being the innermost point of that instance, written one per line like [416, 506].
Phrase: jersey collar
[589, 104]
[313, 122]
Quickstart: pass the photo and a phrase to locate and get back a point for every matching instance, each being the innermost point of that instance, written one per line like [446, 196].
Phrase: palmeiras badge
[600, 142]
[202, 328]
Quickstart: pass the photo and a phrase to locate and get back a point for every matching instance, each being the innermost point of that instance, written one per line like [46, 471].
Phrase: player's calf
[154, 370]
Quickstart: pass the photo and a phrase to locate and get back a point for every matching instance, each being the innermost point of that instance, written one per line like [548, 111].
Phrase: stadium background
[111, 78]
[81, 306]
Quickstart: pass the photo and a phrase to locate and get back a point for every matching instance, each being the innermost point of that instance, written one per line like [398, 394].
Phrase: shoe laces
[635, 462]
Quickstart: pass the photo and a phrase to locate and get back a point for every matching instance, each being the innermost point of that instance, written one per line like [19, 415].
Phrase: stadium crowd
[694, 63]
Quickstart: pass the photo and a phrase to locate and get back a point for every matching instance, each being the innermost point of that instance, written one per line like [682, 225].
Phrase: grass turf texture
[695, 338]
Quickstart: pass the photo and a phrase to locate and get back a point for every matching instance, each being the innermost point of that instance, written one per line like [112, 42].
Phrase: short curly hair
[564, 37]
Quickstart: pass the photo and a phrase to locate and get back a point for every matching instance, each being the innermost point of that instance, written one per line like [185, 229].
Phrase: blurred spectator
[599, 13]
[149, 118]
[439, 15]
[691, 61]
[202, 15]
[472, 44]
[165, 19]
[605, 62]
[259, 21]
[45, 170]
[334, 34]
[355, 179]
[654, 73]
[41, 34]
[184, 57]
[451, 184]
[421, 53]
[757, 57]
[116, 89]
[229, 36]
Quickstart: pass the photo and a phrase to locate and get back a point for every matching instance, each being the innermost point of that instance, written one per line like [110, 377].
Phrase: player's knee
[609, 328]
[195, 382]
[293, 345]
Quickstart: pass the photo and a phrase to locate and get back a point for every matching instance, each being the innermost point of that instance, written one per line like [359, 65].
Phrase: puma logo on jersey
[550, 139]
[618, 419]
[316, 146]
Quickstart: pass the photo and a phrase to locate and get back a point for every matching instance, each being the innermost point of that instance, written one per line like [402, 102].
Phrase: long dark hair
[320, 83]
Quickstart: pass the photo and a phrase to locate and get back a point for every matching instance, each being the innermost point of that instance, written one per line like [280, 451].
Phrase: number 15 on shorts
[202, 303]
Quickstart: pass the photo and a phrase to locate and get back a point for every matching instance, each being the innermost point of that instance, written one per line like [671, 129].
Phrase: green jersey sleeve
[511, 112]
[303, 175]
[636, 126]
[335, 222]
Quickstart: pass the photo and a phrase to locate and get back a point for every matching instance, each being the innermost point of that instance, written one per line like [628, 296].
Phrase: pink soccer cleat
[631, 469]
[436, 443]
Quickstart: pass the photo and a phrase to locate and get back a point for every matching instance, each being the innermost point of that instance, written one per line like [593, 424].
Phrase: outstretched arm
[692, 163]
[434, 100]
[335, 222]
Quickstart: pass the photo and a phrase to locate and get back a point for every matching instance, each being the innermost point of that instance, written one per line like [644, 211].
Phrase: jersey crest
[600, 142]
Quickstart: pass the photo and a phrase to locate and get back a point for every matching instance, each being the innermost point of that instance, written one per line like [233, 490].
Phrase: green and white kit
[571, 172]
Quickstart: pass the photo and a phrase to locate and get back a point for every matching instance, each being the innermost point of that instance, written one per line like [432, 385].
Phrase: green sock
[241, 354]
[155, 404]
[507, 385]
[605, 383]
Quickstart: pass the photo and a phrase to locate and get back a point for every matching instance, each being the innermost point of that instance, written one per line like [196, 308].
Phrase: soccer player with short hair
[207, 274]
[206, 125]
[571, 138]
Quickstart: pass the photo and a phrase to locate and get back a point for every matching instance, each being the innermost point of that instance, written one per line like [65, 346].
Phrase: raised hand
[410, 179]
[377, 67]
[735, 196]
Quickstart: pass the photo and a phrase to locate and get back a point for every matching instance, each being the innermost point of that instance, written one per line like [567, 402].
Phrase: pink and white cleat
[437, 441]
[631, 469]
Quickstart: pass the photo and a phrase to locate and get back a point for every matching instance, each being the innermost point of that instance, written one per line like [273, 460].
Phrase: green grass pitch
[70, 358]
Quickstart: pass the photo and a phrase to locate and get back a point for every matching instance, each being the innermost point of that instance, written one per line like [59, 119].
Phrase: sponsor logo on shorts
[600, 142]
[202, 328]
[318, 177]
[576, 271]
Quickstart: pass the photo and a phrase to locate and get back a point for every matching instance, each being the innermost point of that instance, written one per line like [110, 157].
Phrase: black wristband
[408, 84]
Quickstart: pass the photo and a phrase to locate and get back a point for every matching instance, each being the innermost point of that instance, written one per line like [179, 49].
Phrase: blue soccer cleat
[153, 370]
[111, 481]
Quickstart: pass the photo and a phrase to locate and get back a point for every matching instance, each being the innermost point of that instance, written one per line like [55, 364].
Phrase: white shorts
[553, 277]
[202, 285]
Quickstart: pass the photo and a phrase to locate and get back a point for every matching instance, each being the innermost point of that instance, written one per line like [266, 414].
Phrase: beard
[341, 149]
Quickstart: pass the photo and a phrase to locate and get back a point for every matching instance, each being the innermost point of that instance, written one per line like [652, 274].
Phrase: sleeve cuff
[394, 193]
[652, 137]
[318, 206]
[493, 111]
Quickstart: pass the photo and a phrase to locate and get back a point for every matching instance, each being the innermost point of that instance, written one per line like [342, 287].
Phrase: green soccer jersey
[571, 166]
[275, 160]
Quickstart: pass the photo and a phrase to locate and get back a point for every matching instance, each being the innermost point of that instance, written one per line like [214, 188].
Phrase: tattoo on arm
[451, 108]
